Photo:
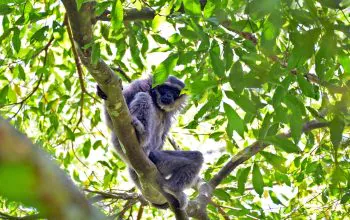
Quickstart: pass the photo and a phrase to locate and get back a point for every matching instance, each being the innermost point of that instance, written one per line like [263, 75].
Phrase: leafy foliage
[253, 69]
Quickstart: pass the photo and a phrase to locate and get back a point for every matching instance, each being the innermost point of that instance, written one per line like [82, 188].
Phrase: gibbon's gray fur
[152, 111]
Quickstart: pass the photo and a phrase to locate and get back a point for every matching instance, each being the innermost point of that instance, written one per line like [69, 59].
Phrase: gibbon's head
[167, 95]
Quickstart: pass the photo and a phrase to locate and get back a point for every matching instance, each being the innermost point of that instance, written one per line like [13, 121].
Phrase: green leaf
[117, 15]
[265, 126]
[257, 179]
[3, 94]
[79, 3]
[39, 35]
[345, 198]
[242, 179]
[235, 123]
[135, 52]
[344, 60]
[222, 159]
[16, 41]
[228, 55]
[276, 161]
[294, 103]
[209, 8]
[296, 124]
[304, 46]
[303, 17]
[344, 3]
[87, 148]
[157, 21]
[69, 133]
[97, 144]
[192, 7]
[11, 94]
[222, 195]
[283, 143]
[199, 86]
[164, 69]
[236, 76]
[76, 176]
[274, 197]
[216, 62]
[68, 84]
[159, 39]
[5, 9]
[260, 8]
[242, 101]
[305, 86]
[338, 176]
[336, 129]
[188, 33]
[96, 53]
[271, 31]
[21, 73]
[104, 163]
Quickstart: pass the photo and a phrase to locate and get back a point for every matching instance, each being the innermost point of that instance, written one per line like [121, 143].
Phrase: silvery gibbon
[152, 111]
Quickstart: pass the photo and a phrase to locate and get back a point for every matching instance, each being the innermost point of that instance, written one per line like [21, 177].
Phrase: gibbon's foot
[181, 198]
[101, 94]
[162, 206]
[140, 130]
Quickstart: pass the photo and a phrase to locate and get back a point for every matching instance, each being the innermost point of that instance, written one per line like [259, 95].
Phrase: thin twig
[220, 210]
[76, 156]
[28, 217]
[140, 212]
[21, 103]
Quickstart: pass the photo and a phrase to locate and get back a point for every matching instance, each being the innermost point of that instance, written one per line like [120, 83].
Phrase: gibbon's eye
[165, 89]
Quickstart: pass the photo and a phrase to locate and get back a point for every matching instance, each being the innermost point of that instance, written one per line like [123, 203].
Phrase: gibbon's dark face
[168, 94]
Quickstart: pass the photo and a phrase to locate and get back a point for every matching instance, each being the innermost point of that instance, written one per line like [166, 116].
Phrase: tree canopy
[269, 106]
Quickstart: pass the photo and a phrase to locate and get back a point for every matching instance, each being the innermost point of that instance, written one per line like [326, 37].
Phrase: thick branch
[81, 23]
[253, 149]
[38, 176]
[197, 207]
[109, 82]
[130, 14]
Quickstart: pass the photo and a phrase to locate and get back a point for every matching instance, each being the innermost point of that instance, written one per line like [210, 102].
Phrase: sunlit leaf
[222, 195]
[16, 41]
[164, 69]
[306, 87]
[276, 161]
[242, 179]
[96, 53]
[39, 35]
[235, 123]
[5, 9]
[296, 124]
[69, 133]
[257, 179]
[283, 143]
[345, 198]
[157, 21]
[216, 61]
[236, 76]
[117, 15]
[87, 148]
[209, 8]
[97, 144]
[336, 129]
[192, 7]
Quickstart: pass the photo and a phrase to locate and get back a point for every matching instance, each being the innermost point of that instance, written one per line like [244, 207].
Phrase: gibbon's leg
[142, 112]
[179, 170]
[168, 162]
